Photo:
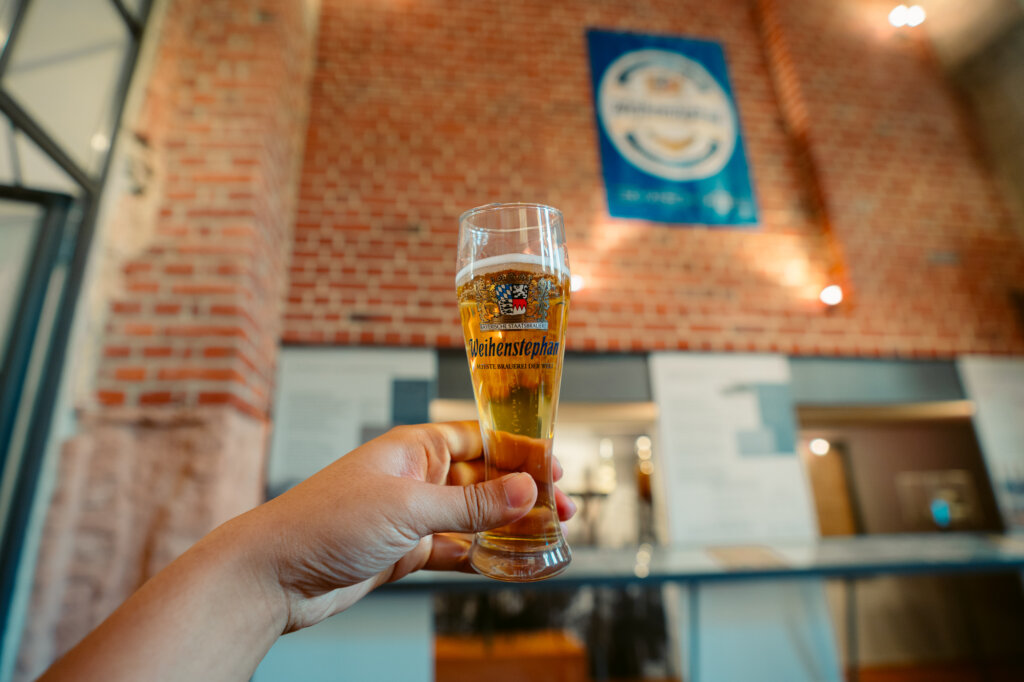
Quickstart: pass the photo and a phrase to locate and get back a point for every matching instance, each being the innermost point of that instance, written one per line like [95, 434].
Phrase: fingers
[468, 473]
[465, 473]
[462, 439]
[450, 552]
[426, 451]
[564, 505]
[468, 509]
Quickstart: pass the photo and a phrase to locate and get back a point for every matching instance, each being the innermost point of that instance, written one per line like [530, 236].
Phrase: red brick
[179, 269]
[130, 373]
[167, 308]
[137, 329]
[126, 307]
[142, 287]
[110, 398]
[158, 398]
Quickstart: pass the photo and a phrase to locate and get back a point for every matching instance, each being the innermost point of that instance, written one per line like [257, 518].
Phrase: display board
[329, 400]
[729, 477]
[996, 387]
[727, 465]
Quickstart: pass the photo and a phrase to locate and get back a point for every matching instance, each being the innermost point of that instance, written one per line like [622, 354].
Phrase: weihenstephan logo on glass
[518, 302]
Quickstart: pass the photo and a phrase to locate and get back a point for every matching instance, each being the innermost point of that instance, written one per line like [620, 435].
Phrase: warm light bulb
[898, 15]
[831, 295]
[820, 447]
[915, 15]
[643, 443]
[99, 142]
[576, 283]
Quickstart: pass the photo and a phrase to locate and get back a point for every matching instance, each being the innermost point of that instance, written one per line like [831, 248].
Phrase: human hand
[378, 514]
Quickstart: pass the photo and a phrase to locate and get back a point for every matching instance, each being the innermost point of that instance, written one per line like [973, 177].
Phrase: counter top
[846, 557]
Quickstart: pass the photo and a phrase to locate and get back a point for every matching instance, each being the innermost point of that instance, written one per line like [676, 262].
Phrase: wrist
[240, 548]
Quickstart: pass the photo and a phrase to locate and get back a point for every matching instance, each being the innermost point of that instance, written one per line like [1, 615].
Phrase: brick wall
[864, 164]
[991, 79]
[197, 319]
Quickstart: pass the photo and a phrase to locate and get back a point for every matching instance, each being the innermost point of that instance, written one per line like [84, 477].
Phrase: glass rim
[498, 206]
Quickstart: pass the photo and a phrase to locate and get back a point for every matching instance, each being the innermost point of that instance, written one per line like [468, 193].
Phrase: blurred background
[792, 403]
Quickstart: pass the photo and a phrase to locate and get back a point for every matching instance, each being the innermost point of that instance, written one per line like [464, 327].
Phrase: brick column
[172, 438]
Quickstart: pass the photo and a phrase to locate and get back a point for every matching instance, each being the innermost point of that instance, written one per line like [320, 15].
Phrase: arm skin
[372, 517]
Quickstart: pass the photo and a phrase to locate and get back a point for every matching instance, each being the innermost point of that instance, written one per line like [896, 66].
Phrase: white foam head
[485, 265]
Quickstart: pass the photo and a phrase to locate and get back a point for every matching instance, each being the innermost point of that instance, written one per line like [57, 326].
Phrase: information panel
[729, 471]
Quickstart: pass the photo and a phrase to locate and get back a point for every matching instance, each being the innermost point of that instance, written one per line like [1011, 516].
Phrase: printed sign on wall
[671, 148]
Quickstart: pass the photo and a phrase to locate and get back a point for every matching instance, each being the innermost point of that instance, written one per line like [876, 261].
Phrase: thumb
[477, 507]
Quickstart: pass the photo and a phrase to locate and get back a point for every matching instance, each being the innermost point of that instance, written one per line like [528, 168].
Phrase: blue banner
[671, 147]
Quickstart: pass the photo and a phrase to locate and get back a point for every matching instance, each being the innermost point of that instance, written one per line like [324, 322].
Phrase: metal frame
[59, 234]
[26, 317]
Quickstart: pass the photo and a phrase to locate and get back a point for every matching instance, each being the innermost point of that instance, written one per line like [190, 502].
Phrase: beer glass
[513, 290]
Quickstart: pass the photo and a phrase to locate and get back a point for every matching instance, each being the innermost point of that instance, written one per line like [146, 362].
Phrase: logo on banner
[667, 115]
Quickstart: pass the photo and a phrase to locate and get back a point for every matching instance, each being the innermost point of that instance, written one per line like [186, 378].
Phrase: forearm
[210, 615]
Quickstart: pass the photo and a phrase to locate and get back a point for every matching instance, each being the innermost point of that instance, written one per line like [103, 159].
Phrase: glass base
[517, 561]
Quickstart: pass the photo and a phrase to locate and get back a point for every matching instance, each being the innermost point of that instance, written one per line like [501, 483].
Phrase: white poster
[326, 399]
[727, 450]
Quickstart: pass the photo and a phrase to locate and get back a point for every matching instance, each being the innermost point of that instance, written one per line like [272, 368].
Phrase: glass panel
[64, 70]
[134, 7]
[38, 170]
[19, 226]
[7, 175]
[7, 8]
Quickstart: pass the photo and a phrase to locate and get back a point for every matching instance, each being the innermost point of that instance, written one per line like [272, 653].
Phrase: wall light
[820, 447]
[901, 15]
[642, 569]
[577, 282]
[831, 295]
[99, 142]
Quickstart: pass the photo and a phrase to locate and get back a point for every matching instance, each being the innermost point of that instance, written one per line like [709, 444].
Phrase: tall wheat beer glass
[513, 289]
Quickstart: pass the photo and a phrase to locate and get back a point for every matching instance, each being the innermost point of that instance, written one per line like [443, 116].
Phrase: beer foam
[485, 265]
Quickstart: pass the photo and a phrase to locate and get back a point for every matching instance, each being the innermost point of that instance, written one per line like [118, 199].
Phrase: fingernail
[518, 490]
[572, 506]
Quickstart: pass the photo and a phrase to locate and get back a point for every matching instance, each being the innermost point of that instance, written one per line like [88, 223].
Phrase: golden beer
[514, 311]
